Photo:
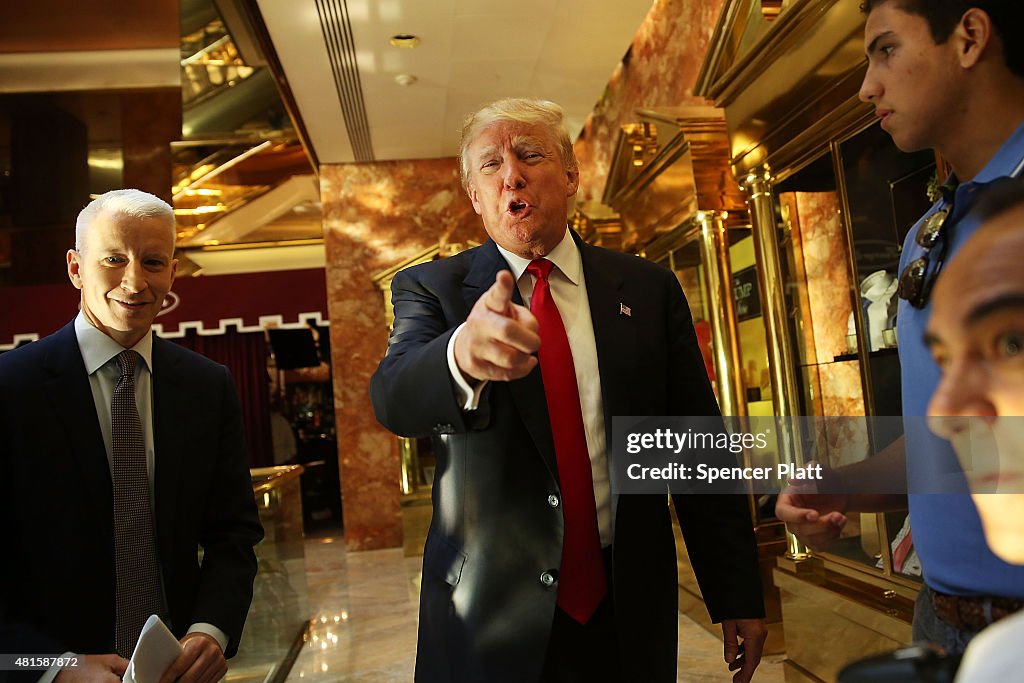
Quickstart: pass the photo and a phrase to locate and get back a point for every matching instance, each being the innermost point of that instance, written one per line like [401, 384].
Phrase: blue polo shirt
[947, 531]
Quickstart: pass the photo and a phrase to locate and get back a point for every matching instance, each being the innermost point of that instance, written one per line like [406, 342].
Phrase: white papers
[156, 650]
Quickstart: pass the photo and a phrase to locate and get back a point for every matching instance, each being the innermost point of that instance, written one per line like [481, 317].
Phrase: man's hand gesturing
[500, 337]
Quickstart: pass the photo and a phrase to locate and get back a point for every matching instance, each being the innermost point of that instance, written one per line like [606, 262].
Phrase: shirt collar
[98, 349]
[566, 257]
[1005, 161]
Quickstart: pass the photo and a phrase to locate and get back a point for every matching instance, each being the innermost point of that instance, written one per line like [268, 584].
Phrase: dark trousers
[585, 653]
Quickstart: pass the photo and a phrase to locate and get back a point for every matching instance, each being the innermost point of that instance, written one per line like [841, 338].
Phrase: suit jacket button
[553, 500]
[548, 578]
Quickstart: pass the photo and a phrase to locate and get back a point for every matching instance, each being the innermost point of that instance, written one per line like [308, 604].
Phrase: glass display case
[830, 200]
[839, 224]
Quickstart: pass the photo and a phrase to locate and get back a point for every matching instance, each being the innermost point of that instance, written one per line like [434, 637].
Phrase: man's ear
[573, 183]
[475, 199]
[973, 36]
[74, 266]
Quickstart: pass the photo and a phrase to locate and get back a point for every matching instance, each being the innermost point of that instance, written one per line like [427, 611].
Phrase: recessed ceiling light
[405, 79]
[404, 40]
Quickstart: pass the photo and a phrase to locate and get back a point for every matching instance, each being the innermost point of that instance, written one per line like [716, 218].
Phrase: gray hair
[131, 203]
[517, 110]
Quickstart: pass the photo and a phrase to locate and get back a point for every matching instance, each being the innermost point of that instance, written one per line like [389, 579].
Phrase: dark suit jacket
[484, 613]
[57, 579]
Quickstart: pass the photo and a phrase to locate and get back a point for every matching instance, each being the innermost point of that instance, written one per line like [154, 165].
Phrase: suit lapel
[615, 340]
[528, 392]
[170, 420]
[67, 385]
[614, 331]
[487, 262]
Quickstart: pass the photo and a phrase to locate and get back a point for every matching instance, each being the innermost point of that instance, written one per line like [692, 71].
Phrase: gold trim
[256, 245]
[780, 351]
[812, 141]
[667, 243]
[863, 347]
[903, 587]
[709, 229]
[716, 53]
[427, 254]
[213, 173]
[714, 246]
[668, 155]
[775, 78]
[409, 457]
[270, 478]
[750, 66]
[842, 585]
[781, 357]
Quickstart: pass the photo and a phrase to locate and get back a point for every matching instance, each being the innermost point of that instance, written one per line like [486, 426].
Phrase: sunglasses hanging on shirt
[916, 281]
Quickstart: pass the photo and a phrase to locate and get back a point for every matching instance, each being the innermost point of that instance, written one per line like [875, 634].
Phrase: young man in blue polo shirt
[946, 75]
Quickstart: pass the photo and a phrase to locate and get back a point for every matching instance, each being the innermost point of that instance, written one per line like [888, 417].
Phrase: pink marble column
[376, 216]
[821, 246]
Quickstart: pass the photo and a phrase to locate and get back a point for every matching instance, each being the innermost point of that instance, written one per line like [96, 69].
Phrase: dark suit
[57, 579]
[484, 613]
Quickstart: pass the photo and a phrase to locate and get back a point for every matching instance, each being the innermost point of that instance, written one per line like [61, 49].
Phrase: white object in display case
[878, 296]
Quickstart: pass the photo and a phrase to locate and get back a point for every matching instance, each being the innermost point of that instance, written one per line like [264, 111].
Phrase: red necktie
[582, 582]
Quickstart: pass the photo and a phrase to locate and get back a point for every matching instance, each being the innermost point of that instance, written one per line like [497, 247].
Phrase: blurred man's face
[520, 187]
[124, 270]
[911, 81]
[976, 334]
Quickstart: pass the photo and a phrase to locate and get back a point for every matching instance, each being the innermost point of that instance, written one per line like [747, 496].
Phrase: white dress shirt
[568, 287]
[99, 352]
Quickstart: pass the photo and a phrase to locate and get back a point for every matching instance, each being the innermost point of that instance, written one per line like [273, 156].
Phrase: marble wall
[823, 247]
[376, 216]
[819, 247]
[660, 70]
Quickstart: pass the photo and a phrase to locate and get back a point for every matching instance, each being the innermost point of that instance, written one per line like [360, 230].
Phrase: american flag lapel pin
[625, 310]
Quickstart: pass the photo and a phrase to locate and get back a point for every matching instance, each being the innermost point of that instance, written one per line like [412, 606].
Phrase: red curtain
[245, 355]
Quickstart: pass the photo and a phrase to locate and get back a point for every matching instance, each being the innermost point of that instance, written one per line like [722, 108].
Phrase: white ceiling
[471, 52]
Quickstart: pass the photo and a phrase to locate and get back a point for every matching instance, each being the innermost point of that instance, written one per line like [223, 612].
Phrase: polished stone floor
[365, 608]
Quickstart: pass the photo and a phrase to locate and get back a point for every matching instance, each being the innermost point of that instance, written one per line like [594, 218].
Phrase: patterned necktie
[139, 592]
[581, 582]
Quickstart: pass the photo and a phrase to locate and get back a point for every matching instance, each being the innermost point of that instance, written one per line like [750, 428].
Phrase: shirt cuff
[212, 631]
[469, 396]
[52, 672]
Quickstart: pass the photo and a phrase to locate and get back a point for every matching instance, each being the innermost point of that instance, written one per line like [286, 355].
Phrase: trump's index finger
[499, 297]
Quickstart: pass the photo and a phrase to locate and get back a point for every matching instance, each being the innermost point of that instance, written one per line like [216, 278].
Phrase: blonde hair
[131, 203]
[517, 110]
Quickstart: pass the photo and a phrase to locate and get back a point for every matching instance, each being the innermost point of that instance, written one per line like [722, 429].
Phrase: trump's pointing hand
[499, 338]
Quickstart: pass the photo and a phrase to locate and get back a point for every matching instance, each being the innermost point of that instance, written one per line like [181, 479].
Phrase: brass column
[722, 305]
[781, 356]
